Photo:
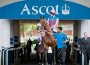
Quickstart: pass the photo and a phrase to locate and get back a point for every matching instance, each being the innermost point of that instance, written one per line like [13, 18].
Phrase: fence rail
[9, 55]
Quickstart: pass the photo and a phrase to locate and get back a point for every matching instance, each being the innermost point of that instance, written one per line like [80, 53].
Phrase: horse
[47, 39]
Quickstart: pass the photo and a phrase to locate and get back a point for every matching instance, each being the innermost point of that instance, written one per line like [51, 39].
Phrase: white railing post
[4, 55]
[12, 49]
[0, 56]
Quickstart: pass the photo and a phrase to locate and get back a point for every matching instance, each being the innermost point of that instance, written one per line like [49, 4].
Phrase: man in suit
[28, 48]
[85, 47]
[22, 54]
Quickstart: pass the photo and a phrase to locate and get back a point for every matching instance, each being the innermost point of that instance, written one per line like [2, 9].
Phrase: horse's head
[43, 22]
[41, 26]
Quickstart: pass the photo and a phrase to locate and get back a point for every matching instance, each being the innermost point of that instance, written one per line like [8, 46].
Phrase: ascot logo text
[39, 10]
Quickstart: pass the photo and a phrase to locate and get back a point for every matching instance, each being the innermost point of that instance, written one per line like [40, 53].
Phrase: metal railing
[5, 54]
[82, 55]
[0, 56]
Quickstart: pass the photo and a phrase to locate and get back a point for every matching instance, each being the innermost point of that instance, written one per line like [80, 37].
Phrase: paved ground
[33, 61]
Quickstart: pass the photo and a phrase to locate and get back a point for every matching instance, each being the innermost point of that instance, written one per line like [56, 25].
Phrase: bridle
[43, 23]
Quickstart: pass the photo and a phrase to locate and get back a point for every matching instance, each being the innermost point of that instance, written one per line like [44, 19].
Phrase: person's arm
[56, 24]
[66, 39]
[81, 44]
[51, 33]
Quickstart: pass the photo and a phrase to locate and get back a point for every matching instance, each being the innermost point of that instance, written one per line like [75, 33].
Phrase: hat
[52, 12]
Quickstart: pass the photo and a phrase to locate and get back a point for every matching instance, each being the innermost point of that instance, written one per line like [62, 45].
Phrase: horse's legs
[42, 57]
[54, 60]
[46, 57]
[39, 58]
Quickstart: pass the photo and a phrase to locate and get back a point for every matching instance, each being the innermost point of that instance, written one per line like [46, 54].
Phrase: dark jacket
[28, 46]
[22, 51]
[85, 45]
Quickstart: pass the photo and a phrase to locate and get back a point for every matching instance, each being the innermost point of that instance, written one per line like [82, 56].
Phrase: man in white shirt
[49, 56]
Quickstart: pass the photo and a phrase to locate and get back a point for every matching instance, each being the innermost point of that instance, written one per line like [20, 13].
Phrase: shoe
[39, 63]
[62, 64]
[49, 64]
[42, 64]
[59, 61]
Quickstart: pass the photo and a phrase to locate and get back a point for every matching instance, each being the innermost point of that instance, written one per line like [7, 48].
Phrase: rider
[53, 21]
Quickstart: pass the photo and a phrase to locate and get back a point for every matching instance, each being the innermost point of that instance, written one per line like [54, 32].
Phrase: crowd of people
[62, 43]
[25, 51]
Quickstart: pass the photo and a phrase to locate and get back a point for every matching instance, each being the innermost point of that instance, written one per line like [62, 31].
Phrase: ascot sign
[35, 9]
